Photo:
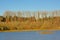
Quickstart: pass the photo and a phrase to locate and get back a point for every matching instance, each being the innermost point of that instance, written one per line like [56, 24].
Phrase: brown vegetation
[14, 22]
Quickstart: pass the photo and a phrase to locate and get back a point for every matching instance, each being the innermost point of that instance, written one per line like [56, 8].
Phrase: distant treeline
[30, 20]
[36, 14]
[27, 15]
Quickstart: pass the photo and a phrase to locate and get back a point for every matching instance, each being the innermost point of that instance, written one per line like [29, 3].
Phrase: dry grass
[46, 24]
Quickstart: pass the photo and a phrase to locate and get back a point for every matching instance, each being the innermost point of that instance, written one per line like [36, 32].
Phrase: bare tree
[19, 14]
[44, 14]
[38, 14]
[53, 14]
[28, 14]
[7, 13]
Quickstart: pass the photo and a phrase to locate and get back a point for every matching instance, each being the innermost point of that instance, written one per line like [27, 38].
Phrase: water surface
[33, 35]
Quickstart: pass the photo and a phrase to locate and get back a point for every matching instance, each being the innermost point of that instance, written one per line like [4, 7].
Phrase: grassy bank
[41, 24]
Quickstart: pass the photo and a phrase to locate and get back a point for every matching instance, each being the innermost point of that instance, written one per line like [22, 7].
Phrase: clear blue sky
[31, 5]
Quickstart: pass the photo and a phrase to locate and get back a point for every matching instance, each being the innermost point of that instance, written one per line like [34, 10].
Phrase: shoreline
[30, 30]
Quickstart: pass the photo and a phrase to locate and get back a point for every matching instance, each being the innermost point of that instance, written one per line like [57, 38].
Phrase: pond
[31, 35]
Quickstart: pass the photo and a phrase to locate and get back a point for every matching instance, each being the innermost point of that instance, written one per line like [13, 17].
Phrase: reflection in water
[34, 35]
[47, 32]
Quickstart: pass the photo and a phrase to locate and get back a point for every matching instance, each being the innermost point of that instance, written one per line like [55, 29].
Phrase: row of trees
[37, 14]
[10, 15]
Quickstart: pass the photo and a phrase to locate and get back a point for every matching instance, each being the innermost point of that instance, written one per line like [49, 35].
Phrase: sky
[29, 5]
